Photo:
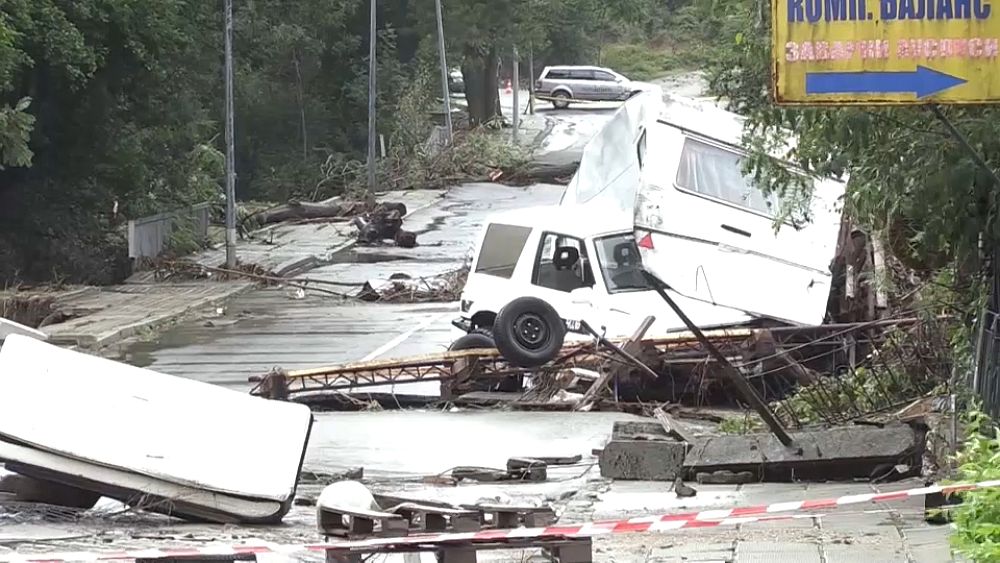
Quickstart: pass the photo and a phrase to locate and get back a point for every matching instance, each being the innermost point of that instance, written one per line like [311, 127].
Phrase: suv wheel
[529, 332]
[561, 100]
[475, 340]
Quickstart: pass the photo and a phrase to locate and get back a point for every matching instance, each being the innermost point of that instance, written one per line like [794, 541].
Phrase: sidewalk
[105, 316]
[887, 533]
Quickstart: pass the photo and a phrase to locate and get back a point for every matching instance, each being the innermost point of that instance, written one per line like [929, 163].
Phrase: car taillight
[646, 241]
[538, 85]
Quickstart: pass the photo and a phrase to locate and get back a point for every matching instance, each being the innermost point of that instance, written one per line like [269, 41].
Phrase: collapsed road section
[97, 427]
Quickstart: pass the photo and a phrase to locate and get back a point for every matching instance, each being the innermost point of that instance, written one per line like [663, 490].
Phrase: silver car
[562, 84]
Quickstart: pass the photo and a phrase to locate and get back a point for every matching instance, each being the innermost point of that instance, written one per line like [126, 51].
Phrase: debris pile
[384, 222]
[402, 288]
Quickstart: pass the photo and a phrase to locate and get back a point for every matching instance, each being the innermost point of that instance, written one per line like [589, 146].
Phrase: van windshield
[618, 257]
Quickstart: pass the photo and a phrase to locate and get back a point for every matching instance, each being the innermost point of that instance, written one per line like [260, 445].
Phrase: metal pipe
[444, 73]
[230, 150]
[373, 37]
[732, 375]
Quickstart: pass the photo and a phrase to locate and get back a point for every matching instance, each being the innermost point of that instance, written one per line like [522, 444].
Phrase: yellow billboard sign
[890, 52]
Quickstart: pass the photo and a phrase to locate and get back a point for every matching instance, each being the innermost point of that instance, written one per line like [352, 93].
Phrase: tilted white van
[661, 198]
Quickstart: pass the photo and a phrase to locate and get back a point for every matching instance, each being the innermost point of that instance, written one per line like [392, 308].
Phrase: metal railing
[149, 236]
[986, 375]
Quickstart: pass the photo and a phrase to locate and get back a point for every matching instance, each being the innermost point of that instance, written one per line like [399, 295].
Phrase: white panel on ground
[120, 426]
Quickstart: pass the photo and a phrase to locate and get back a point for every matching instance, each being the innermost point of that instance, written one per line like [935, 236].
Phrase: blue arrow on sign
[923, 82]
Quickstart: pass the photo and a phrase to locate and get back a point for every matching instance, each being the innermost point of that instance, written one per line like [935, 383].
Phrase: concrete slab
[767, 552]
[766, 493]
[876, 525]
[928, 544]
[844, 452]
[642, 460]
[636, 498]
[866, 553]
[110, 314]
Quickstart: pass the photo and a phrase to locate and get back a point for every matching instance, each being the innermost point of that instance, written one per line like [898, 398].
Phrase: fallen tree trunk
[545, 172]
[303, 210]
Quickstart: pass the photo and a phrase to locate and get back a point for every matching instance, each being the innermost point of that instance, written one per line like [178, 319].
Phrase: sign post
[885, 52]
[888, 53]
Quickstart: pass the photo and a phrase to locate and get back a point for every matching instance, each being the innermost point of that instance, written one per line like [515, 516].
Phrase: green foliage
[908, 179]
[184, 238]
[746, 424]
[111, 111]
[977, 518]
[909, 362]
[15, 131]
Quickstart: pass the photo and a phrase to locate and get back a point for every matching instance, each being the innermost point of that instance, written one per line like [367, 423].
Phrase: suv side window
[501, 249]
[557, 74]
[578, 74]
[605, 76]
[562, 264]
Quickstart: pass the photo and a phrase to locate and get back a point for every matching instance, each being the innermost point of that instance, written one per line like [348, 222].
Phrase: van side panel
[708, 248]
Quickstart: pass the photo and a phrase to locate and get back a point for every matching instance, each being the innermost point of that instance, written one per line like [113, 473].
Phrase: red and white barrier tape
[658, 523]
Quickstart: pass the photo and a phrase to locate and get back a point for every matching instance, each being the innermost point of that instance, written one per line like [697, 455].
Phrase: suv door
[554, 77]
[606, 86]
[582, 83]
[561, 265]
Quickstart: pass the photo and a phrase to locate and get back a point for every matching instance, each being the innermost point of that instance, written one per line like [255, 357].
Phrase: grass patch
[652, 60]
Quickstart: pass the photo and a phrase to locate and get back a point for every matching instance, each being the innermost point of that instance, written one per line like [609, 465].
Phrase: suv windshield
[618, 257]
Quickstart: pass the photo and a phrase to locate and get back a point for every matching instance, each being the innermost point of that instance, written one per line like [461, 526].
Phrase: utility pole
[371, 102]
[531, 82]
[444, 73]
[230, 152]
[517, 86]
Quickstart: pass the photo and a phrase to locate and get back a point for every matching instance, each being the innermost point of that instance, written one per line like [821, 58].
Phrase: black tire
[561, 100]
[472, 341]
[528, 332]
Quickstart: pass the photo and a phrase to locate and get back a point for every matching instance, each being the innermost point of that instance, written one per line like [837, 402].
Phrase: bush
[977, 519]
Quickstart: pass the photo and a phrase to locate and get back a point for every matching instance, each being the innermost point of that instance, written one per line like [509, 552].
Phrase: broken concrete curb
[92, 341]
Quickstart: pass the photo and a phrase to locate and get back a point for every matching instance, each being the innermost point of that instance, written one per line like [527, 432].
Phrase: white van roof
[574, 220]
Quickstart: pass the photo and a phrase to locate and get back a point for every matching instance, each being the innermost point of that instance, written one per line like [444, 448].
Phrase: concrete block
[642, 460]
[835, 453]
[630, 429]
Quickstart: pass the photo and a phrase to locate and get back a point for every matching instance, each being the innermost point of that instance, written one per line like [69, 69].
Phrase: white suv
[538, 272]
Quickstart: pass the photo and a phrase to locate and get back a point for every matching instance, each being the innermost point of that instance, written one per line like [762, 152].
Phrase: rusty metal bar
[732, 375]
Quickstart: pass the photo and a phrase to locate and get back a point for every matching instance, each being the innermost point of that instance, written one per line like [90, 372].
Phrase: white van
[661, 193]
[707, 230]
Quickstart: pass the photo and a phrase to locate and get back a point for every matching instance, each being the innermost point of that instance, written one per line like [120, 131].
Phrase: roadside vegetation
[976, 519]
[678, 38]
[111, 111]
[915, 189]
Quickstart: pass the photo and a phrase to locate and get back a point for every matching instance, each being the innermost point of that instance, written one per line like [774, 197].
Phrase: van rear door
[708, 231]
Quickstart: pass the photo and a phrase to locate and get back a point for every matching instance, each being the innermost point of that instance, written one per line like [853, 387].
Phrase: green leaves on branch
[15, 131]
[977, 519]
[908, 179]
